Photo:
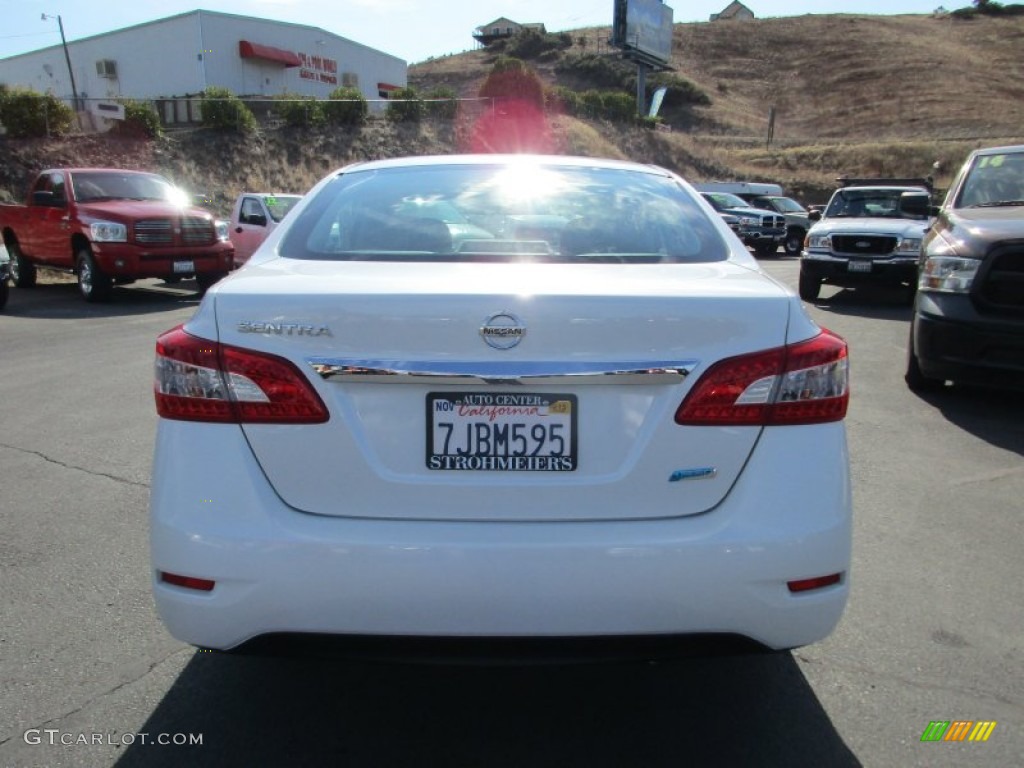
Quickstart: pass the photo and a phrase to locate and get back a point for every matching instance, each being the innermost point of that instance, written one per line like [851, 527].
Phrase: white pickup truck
[870, 234]
[254, 216]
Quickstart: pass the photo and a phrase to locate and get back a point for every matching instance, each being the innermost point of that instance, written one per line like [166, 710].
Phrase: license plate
[184, 266]
[858, 266]
[509, 432]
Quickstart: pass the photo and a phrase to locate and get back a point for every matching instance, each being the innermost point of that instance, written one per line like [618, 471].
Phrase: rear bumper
[282, 571]
[835, 270]
[952, 340]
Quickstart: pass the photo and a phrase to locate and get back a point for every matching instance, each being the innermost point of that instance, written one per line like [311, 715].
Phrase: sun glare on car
[525, 182]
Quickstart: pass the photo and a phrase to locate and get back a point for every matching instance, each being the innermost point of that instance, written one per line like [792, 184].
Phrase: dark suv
[968, 323]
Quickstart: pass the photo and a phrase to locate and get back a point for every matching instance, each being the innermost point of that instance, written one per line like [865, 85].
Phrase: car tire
[794, 242]
[23, 272]
[766, 250]
[914, 378]
[93, 284]
[5, 290]
[206, 280]
[810, 286]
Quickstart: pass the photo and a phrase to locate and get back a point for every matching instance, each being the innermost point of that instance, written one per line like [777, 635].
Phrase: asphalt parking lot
[88, 676]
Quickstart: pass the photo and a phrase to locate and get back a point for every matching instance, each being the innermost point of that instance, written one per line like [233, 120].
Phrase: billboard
[643, 28]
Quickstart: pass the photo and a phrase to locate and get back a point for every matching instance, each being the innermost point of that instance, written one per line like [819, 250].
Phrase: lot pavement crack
[910, 681]
[93, 699]
[988, 477]
[65, 465]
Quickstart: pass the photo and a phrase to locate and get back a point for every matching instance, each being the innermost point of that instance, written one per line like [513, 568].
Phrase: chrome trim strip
[505, 372]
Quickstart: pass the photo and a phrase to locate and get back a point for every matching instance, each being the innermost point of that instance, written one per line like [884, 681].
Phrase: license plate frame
[502, 432]
[184, 267]
[858, 266]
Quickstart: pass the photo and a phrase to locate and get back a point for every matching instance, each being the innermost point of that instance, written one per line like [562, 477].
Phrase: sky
[414, 30]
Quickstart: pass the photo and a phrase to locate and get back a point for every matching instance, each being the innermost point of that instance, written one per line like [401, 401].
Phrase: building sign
[318, 68]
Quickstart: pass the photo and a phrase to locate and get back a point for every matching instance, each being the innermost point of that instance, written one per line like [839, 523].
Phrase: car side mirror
[257, 219]
[916, 204]
[46, 199]
[814, 215]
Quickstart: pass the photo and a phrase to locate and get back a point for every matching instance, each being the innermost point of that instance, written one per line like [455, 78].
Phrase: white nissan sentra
[501, 397]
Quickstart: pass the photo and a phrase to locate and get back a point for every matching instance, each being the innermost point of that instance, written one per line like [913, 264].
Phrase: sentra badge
[282, 329]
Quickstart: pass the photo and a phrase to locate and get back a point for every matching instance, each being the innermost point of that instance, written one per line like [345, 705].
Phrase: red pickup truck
[112, 226]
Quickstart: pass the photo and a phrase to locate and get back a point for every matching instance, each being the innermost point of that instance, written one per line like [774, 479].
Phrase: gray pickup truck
[968, 322]
[797, 218]
[761, 230]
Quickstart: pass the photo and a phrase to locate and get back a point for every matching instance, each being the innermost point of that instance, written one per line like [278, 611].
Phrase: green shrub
[592, 104]
[27, 114]
[405, 107]
[442, 103]
[599, 71]
[140, 119]
[529, 44]
[619, 107]
[298, 110]
[345, 106]
[987, 9]
[681, 92]
[225, 111]
[563, 100]
[510, 78]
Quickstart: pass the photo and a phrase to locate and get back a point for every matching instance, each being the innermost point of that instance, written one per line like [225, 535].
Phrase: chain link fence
[95, 115]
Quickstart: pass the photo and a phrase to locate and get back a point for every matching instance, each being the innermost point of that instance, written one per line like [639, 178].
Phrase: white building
[182, 55]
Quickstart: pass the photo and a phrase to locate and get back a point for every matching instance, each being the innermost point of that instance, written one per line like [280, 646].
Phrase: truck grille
[188, 230]
[773, 222]
[1002, 283]
[197, 231]
[864, 245]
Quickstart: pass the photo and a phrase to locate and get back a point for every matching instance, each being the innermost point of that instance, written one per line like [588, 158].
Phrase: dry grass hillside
[858, 95]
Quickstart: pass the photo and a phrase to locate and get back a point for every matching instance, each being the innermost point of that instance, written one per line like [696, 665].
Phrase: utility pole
[67, 58]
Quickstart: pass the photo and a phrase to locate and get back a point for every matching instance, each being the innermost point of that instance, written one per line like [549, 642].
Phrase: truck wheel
[92, 284]
[794, 242]
[206, 280]
[23, 272]
[916, 380]
[810, 286]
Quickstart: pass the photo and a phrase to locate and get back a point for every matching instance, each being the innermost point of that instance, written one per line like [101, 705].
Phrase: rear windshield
[504, 213]
[876, 203]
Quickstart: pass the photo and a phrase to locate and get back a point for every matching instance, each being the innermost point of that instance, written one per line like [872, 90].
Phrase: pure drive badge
[503, 330]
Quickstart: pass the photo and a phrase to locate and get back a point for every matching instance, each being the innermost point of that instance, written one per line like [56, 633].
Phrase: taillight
[803, 383]
[818, 582]
[188, 582]
[201, 380]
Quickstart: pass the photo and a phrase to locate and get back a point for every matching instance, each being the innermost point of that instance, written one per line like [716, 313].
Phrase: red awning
[388, 87]
[249, 50]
